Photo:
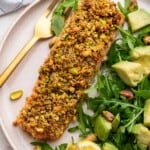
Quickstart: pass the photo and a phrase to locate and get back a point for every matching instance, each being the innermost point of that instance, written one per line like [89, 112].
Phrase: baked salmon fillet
[69, 69]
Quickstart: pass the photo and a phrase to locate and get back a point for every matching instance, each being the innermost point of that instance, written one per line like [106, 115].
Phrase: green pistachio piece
[15, 95]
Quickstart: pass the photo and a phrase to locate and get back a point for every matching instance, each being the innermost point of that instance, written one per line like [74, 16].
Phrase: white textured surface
[5, 23]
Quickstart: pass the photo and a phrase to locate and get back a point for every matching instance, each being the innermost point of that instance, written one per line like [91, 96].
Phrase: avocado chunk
[102, 128]
[116, 122]
[138, 19]
[147, 113]
[141, 55]
[145, 62]
[140, 51]
[142, 134]
[109, 146]
[131, 73]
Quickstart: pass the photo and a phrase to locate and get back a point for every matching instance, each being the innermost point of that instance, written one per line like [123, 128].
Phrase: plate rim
[16, 21]
[4, 130]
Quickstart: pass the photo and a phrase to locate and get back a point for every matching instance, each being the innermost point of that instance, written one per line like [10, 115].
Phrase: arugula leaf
[58, 20]
[104, 86]
[98, 101]
[114, 55]
[124, 141]
[85, 122]
[66, 4]
[120, 49]
[141, 34]
[62, 147]
[127, 36]
[143, 90]
[108, 83]
[143, 93]
[144, 31]
[70, 3]
[126, 3]
[73, 129]
[57, 23]
[43, 145]
[122, 9]
[134, 118]
[82, 125]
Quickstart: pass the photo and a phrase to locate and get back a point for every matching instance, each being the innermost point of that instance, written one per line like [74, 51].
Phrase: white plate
[26, 73]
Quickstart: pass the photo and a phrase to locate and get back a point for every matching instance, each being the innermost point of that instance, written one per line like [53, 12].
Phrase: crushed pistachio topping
[69, 69]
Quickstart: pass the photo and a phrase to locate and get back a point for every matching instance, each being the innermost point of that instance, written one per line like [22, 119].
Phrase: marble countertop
[5, 23]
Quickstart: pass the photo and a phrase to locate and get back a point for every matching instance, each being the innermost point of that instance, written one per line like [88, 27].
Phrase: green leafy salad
[120, 113]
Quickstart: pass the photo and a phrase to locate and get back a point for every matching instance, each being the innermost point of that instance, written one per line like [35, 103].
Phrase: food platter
[26, 73]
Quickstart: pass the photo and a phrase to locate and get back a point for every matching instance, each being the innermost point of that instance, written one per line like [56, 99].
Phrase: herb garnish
[58, 18]
[45, 146]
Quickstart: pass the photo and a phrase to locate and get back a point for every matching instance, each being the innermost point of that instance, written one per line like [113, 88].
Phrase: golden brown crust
[69, 69]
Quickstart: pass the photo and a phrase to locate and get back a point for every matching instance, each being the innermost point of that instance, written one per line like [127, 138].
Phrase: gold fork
[42, 31]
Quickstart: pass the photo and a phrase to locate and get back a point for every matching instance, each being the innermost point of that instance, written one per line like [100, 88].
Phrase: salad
[120, 113]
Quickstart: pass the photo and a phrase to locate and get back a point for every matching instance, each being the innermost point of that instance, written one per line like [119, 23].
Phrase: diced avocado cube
[142, 135]
[138, 19]
[140, 51]
[145, 62]
[147, 113]
[102, 128]
[131, 73]
[141, 55]
[109, 146]
[116, 122]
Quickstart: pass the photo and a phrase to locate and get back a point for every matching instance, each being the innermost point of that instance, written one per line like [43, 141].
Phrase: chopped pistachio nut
[74, 71]
[16, 95]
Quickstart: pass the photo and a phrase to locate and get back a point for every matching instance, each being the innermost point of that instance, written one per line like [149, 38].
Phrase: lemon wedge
[83, 145]
[71, 147]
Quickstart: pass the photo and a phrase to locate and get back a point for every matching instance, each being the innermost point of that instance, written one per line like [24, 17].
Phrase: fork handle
[15, 62]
